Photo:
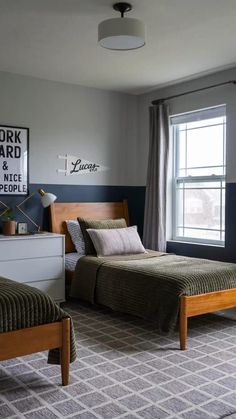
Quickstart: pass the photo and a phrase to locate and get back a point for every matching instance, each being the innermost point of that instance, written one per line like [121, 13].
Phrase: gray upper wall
[222, 95]
[97, 125]
[108, 128]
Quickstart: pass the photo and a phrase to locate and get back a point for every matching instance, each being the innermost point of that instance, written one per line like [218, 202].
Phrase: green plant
[8, 215]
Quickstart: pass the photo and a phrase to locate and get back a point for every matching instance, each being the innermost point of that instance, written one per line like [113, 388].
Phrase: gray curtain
[154, 236]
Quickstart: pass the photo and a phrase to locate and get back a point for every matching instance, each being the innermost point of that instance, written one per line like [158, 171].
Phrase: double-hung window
[199, 176]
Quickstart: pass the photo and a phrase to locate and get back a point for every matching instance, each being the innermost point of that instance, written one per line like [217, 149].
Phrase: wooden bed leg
[65, 351]
[183, 324]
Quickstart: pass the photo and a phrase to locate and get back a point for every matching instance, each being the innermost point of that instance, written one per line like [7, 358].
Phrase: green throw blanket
[22, 306]
[149, 285]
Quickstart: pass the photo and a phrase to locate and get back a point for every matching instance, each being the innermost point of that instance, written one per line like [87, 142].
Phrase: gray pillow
[97, 224]
[76, 235]
[120, 241]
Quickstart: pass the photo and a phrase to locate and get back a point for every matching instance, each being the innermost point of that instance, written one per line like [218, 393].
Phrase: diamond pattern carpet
[126, 370]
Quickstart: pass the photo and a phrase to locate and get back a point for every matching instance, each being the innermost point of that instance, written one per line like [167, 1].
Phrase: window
[199, 176]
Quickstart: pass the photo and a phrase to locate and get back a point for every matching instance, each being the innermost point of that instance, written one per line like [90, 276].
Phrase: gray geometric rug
[126, 370]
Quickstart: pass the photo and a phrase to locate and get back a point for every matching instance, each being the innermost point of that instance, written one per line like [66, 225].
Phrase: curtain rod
[158, 101]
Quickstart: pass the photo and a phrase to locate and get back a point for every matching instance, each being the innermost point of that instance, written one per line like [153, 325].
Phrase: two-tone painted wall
[98, 125]
[222, 95]
[111, 129]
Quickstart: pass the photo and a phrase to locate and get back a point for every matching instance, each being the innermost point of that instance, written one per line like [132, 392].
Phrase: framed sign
[14, 155]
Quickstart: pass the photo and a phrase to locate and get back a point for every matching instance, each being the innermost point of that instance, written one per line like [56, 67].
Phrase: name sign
[14, 143]
[77, 166]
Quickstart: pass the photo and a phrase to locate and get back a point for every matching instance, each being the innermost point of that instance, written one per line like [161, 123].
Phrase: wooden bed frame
[189, 305]
[39, 338]
[60, 211]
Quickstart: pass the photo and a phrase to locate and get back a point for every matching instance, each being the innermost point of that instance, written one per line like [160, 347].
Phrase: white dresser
[37, 260]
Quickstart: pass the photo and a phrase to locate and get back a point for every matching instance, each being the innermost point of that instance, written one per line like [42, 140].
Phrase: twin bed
[31, 322]
[156, 286]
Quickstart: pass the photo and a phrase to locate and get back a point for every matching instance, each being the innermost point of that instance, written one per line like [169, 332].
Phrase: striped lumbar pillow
[97, 224]
[76, 235]
[120, 241]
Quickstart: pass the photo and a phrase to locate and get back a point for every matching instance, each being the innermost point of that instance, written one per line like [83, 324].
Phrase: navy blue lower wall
[227, 253]
[136, 199]
[80, 193]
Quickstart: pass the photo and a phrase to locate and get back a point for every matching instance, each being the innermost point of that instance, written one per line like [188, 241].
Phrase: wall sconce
[46, 200]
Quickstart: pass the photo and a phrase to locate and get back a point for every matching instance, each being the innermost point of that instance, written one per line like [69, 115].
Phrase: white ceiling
[57, 40]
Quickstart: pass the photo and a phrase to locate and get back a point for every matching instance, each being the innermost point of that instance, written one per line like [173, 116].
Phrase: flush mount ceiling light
[121, 33]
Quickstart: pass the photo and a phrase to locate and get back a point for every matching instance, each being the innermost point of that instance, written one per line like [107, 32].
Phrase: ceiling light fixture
[121, 33]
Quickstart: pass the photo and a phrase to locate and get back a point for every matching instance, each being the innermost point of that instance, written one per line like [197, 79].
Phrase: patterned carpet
[126, 370]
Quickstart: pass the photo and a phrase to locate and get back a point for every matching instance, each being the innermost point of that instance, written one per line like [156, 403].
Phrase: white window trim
[177, 119]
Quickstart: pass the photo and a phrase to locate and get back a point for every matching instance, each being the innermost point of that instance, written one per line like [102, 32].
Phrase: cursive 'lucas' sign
[77, 165]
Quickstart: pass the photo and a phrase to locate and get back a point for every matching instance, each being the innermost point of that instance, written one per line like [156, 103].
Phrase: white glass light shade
[48, 199]
[121, 33]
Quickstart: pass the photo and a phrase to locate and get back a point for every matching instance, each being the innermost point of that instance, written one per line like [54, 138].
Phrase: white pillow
[76, 235]
[116, 241]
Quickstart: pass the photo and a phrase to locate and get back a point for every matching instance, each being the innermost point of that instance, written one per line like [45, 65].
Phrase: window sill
[222, 246]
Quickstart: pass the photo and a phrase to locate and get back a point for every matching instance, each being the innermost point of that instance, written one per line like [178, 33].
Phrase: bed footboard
[195, 305]
[39, 338]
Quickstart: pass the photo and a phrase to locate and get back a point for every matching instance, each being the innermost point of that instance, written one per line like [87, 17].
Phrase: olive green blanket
[149, 285]
[22, 306]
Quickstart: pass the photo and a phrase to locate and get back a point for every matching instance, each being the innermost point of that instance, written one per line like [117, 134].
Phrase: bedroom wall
[222, 95]
[111, 129]
[97, 125]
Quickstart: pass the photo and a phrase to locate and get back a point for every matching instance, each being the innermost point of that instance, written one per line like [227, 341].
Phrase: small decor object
[75, 165]
[22, 228]
[46, 200]
[14, 143]
[121, 33]
[9, 224]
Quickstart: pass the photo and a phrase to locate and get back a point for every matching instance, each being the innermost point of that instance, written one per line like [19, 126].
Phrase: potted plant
[9, 224]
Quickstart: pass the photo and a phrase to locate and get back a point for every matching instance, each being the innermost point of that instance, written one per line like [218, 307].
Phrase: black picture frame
[11, 156]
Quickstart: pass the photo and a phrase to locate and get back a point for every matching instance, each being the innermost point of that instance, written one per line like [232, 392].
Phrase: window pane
[202, 234]
[180, 231]
[179, 208]
[204, 147]
[181, 163]
[202, 208]
[181, 172]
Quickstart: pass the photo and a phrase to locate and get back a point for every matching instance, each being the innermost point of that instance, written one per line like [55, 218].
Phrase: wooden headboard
[61, 211]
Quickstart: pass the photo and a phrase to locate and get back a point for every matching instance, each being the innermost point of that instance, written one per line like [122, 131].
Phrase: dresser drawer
[33, 270]
[22, 248]
[54, 288]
